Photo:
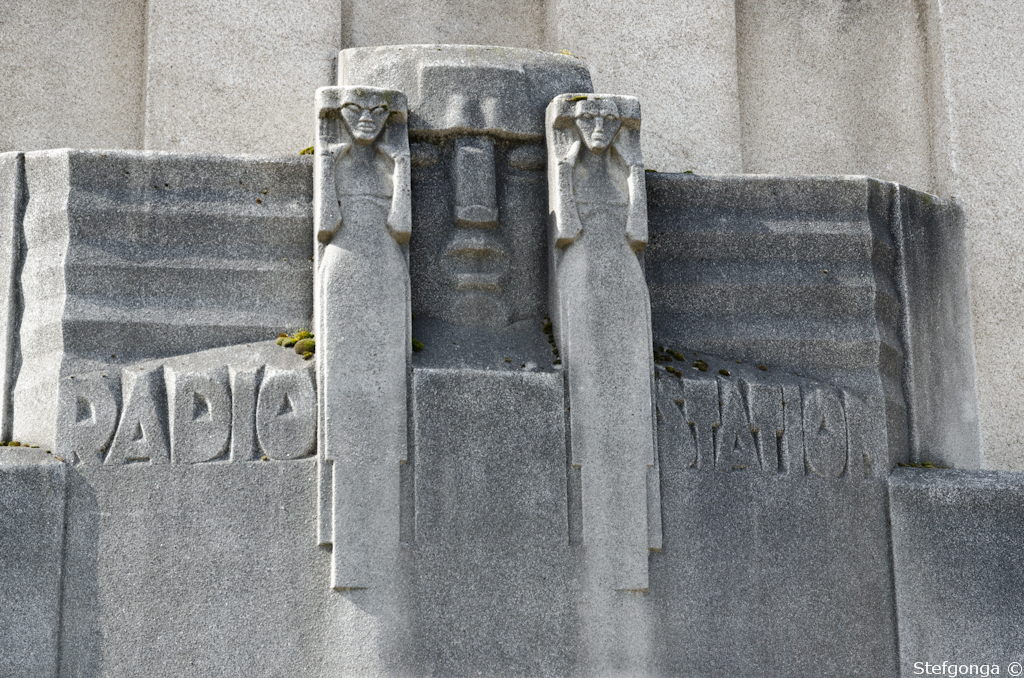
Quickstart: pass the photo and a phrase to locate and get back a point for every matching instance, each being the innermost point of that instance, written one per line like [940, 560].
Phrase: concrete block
[236, 77]
[136, 255]
[944, 402]
[32, 510]
[492, 557]
[508, 23]
[212, 564]
[780, 575]
[89, 55]
[957, 539]
[679, 58]
[830, 278]
[981, 144]
[836, 87]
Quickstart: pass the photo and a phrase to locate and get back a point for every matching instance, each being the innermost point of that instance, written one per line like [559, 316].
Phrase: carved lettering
[824, 428]
[700, 407]
[244, 384]
[141, 434]
[286, 414]
[767, 422]
[200, 409]
[735, 447]
[87, 418]
[736, 425]
[675, 436]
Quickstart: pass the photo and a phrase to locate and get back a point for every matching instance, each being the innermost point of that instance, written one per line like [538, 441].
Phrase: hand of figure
[574, 153]
[335, 151]
[629, 150]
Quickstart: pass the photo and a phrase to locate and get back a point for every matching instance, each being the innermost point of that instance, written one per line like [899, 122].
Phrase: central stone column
[486, 504]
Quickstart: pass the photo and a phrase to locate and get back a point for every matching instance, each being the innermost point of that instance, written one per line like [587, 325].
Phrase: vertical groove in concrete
[12, 212]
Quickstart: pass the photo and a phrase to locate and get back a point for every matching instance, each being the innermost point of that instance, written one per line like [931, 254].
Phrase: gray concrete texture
[489, 575]
[477, 254]
[90, 56]
[252, 66]
[848, 280]
[984, 147]
[924, 93]
[957, 544]
[32, 514]
[137, 255]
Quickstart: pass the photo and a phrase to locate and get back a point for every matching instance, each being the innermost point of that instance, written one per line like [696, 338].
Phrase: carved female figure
[601, 310]
[362, 319]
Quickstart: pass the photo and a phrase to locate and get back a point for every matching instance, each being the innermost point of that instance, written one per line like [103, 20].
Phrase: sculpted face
[598, 122]
[365, 117]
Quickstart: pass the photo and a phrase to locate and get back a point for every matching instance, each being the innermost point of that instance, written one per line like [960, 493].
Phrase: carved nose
[475, 191]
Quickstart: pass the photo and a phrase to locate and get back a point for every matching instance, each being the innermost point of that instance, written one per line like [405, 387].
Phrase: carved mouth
[477, 260]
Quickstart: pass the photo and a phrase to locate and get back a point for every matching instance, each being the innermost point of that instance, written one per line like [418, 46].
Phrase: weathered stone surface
[211, 563]
[468, 88]
[248, 93]
[91, 56]
[32, 509]
[492, 524]
[131, 255]
[363, 317]
[602, 322]
[942, 375]
[88, 412]
[783, 575]
[200, 414]
[12, 207]
[142, 430]
[196, 407]
[244, 384]
[286, 414]
[979, 93]
[510, 23]
[830, 278]
[679, 57]
[476, 120]
[957, 544]
[838, 88]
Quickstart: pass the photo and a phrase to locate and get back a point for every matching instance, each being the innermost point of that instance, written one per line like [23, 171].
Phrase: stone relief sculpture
[362, 319]
[477, 137]
[601, 311]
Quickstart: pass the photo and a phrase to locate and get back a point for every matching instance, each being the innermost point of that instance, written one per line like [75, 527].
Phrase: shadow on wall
[80, 653]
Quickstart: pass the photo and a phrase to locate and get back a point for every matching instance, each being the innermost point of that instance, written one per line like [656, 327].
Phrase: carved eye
[353, 107]
[586, 116]
[379, 109]
[610, 117]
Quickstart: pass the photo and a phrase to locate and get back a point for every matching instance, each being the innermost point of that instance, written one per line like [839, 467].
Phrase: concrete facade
[188, 488]
[924, 92]
[566, 416]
